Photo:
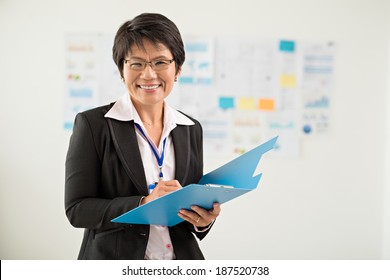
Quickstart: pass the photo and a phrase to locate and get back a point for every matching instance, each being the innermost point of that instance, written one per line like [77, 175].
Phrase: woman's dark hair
[154, 27]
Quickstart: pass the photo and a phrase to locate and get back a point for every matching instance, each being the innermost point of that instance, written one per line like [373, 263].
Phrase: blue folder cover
[225, 183]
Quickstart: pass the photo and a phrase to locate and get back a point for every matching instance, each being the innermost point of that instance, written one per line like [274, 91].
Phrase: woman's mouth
[149, 87]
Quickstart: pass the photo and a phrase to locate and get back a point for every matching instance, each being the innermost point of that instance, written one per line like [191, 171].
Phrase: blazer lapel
[182, 145]
[125, 141]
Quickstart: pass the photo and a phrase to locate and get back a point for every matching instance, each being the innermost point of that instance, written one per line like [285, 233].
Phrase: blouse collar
[124, 110]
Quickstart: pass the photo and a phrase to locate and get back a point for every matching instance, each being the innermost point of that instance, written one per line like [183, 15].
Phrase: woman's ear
[178, 72]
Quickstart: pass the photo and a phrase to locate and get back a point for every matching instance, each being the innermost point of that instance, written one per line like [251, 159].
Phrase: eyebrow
[155, 58]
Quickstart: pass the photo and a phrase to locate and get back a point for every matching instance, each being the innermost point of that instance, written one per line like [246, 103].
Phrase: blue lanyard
[160, 159]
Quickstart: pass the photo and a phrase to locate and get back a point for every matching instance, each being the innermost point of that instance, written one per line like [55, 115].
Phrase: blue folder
[225, 183]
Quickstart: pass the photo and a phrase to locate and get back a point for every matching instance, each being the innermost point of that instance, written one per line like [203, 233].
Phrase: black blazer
[105, 178]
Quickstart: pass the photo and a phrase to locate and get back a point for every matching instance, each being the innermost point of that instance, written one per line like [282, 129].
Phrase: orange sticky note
[266, 104]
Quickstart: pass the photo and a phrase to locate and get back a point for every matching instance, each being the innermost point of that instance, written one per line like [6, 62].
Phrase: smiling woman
[135, 150]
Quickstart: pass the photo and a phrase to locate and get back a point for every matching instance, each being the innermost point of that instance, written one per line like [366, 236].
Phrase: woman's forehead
[148, 47]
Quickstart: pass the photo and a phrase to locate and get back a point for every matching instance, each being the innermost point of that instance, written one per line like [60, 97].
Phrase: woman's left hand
[200, 217]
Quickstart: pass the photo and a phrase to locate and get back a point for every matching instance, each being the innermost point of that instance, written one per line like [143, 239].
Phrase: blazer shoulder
[92, 119]
[97, 112]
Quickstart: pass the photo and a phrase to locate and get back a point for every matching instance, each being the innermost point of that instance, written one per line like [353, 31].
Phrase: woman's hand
[200, 217]
[162, 188]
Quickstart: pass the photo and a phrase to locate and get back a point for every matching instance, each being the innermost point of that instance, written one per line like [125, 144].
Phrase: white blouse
[159, 244]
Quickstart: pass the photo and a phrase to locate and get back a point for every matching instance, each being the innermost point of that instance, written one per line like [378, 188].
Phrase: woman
[117, 153]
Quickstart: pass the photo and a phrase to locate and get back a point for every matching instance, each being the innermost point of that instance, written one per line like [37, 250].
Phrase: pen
[152, 186]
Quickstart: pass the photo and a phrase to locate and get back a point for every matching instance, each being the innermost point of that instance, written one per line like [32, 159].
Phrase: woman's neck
[152, 118]
[150, 115]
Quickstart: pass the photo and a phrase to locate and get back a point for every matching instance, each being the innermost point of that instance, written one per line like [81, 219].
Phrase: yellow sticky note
[288, 81]
[246, 103]
[266, 104]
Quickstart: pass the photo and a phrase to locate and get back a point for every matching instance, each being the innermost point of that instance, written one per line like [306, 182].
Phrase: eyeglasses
[157, 65]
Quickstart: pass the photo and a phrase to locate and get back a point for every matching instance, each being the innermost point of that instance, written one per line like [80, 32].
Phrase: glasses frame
[151, 63]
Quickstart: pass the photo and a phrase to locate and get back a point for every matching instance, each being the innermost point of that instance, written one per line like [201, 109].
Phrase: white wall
[328, 204]
[386, 195]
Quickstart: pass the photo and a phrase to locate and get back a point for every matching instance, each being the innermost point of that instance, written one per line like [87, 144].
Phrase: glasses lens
[136, 65]
[160, 64]
[139, 65]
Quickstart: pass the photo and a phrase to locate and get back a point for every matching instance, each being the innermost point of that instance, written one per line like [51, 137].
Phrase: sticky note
[266, 104]
[226, 102]
[288, 81]
[286, 46]
[246, 103]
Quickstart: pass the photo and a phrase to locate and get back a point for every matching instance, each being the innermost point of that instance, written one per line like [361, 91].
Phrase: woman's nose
[148, 73]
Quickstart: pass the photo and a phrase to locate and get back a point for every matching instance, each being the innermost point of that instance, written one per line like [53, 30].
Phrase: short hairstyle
[154, 27]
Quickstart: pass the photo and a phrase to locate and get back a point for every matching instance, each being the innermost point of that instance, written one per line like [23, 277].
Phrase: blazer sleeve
[84, 206]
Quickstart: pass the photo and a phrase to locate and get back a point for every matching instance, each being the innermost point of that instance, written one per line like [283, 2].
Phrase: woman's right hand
[162, 188]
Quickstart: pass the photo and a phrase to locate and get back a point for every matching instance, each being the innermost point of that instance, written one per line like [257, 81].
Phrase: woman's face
[149, 87]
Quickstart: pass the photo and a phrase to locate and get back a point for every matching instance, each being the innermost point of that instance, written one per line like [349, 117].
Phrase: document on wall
[317, 87]
[227, 182]
[91, 77]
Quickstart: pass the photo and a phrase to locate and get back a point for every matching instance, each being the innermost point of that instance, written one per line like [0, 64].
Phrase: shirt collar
[124, 110]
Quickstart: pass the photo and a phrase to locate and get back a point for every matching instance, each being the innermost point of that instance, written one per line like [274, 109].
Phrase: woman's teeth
[149, 87]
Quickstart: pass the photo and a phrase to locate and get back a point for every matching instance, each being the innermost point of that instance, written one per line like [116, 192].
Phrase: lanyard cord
[160, 159]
